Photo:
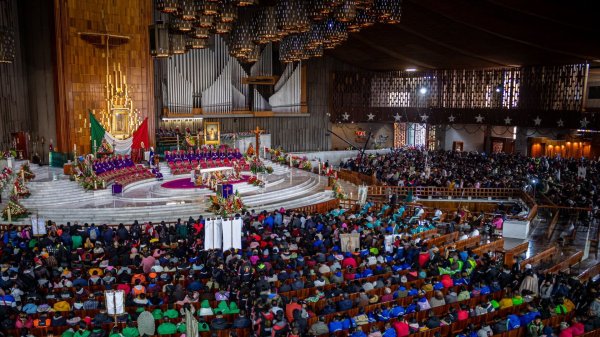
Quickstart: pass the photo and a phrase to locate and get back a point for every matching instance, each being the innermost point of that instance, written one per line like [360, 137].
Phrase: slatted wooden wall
[14, 106]
[81, 67]
[37, 44]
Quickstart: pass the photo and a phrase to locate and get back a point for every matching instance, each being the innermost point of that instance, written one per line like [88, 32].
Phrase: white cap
[528, 266]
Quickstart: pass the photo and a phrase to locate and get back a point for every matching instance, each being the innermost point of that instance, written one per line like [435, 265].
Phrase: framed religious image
[212, 133]
[120, 124]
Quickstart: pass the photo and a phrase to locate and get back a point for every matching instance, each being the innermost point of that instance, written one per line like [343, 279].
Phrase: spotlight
[499, 88]
[411, 70]
[534, 181]
[423, 91]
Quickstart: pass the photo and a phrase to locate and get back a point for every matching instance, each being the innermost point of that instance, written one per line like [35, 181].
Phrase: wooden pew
[589, 273]
[515, 251]
[566, 264]
[442, 239]
[462, 245]
[494, 246]
[535, 260]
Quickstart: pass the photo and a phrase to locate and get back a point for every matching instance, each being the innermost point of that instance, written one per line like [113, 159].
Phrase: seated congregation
[290, 279]
[564, 181]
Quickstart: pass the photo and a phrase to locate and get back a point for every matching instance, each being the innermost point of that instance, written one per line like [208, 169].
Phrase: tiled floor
[538, 240]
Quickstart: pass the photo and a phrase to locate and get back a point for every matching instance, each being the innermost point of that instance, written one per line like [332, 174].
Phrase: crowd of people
[279, 284]
[565, 181]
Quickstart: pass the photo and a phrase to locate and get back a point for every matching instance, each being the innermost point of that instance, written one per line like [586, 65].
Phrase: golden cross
[257, 133]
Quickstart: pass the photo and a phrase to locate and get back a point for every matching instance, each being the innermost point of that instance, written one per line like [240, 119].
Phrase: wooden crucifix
[257, 132]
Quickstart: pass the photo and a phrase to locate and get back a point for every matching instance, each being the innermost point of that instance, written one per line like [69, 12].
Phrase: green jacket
[166, 328]
[131, 332]
[77, 241]
[82, 333]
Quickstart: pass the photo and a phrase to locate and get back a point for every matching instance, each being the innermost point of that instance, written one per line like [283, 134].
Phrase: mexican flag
[98, 133]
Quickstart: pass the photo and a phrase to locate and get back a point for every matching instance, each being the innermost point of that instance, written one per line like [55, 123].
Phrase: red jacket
[402, 328]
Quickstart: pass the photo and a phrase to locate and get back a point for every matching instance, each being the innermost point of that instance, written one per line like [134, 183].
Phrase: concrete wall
[380, 131]
[471, 135]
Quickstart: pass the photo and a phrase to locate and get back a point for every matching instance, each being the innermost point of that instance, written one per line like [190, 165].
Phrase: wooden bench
[548, 254]
[515, 251]
[589, 273]
[566, 264]
[494, 246]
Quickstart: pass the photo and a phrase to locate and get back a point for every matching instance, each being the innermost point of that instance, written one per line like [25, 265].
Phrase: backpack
[512, 322]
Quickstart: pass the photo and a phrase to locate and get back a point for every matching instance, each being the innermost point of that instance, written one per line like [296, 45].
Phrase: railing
[322, 207]
[535, 260]
[356, 178]
[517, 250]
[424, 192]
[429, 192]
[349, 204]
[566, 264]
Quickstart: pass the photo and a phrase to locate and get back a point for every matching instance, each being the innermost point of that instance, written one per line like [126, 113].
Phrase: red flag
[141, 136]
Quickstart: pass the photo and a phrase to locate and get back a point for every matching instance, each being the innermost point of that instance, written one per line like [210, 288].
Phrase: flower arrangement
[12, 153]
[17, 211]
[104, 148]
[257, 166]
[226, 207]
[86, 177]
[20, 190]
[190, 140]
[92, 182]
[27, 173]
[5, 178]
[338, 191]
[256, 182]
[307, 166]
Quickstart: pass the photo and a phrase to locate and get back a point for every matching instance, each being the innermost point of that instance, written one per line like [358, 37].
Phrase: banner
[115, 302]
[218, 234]
[362, 194]
[237, 233]
[38, 226]
[209, 228]
[350, 242]
[227, 234]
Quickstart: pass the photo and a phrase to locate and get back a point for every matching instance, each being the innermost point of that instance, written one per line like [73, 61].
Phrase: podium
[117, 188]
[224, 190]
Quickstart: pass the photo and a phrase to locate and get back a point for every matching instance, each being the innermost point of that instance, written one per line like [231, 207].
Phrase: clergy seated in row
[157, 174]
[114, 163]
[202, 155]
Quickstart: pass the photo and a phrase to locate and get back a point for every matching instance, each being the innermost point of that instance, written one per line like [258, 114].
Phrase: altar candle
[9, 215]
[95, 185]
[319, 166]
[23, 175]
[95, 148]
[178, 143]
[74, 147]
[103, 184]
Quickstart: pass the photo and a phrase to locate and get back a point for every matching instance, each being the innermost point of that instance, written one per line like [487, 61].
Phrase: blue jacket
[397, 311]
[391, 332]
[335, 326]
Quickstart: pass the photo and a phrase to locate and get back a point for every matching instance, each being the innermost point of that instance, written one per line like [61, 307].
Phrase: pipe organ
[211, 82]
